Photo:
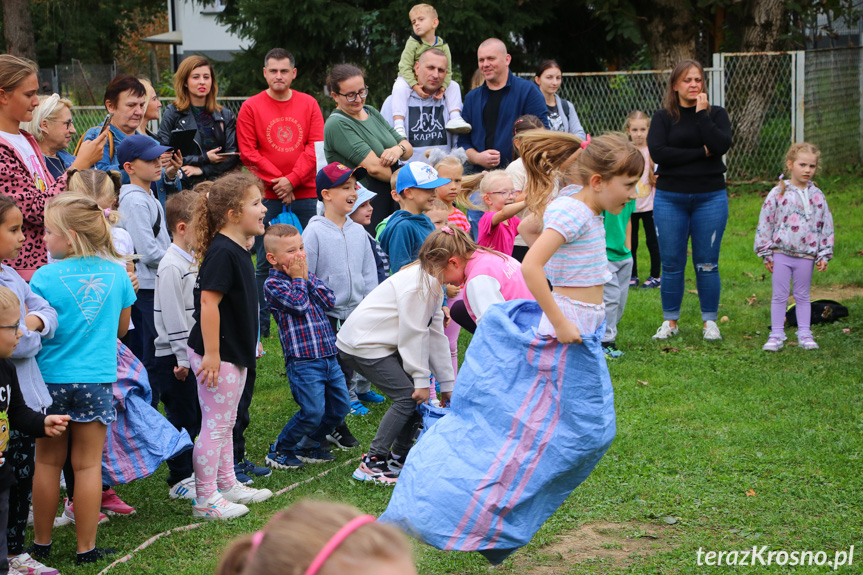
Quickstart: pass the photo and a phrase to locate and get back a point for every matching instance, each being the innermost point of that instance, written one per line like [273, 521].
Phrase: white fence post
[798, 91]
[716, 90]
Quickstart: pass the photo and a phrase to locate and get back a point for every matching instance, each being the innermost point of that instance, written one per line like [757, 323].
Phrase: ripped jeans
[679, 217]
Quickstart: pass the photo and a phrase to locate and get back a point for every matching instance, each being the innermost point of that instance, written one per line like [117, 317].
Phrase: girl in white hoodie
[392, 338]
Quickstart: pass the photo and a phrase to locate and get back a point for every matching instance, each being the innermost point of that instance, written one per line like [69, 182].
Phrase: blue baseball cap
[363, 195]
[139, 147]
[419, 175]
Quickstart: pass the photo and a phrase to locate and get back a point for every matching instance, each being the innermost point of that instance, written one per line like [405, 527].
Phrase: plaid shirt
[298, 306]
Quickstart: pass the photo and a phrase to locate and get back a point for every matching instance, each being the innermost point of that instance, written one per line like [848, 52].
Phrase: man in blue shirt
[493, 108]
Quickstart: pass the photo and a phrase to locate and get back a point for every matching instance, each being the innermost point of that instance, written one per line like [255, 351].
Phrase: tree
[18, 29]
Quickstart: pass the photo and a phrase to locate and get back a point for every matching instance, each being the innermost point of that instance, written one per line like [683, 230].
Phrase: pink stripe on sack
[492, 472]
[543, 444]
[511, 470]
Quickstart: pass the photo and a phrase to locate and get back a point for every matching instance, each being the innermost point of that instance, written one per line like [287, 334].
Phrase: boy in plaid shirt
[298, 301]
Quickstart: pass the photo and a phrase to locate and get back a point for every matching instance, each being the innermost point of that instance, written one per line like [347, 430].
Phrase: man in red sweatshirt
[276, 132]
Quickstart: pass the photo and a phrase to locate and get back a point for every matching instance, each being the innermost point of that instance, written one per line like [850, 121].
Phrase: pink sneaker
[113, 505]
[69, 512]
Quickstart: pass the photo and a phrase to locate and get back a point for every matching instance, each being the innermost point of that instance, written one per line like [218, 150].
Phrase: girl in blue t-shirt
[93, 297]
[223, 342]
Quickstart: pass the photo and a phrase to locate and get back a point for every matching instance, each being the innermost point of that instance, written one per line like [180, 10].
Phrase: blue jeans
[319, 388]
[679, 217]
[304, 210]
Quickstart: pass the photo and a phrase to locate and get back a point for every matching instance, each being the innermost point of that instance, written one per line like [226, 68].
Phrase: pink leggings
[213, 454]
[452, 332]
[785, 269]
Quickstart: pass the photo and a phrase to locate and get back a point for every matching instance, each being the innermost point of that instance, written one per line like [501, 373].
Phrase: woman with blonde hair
[53, 128]
[196, 108]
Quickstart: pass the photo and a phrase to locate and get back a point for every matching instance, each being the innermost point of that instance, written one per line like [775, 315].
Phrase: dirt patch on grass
[612, 545]
[836, 292]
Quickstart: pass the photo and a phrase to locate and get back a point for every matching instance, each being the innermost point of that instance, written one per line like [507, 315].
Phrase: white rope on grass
[126, 558]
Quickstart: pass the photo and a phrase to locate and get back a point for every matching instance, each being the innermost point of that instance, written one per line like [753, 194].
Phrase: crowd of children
[176, 284]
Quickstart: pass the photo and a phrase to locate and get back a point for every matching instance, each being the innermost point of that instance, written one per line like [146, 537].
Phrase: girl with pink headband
[319, 538]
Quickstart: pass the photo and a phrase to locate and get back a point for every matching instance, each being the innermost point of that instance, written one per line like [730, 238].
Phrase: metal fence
[772, 98]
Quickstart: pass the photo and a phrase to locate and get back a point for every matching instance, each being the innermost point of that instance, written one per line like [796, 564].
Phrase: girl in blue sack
[546, 406]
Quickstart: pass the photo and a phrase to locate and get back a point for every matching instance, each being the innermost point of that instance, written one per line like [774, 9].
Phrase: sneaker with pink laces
[113, 505]
[25, 564]
[69, 513]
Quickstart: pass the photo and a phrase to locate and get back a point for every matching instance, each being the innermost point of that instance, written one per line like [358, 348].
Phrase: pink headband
[335, 541]
[585, 142]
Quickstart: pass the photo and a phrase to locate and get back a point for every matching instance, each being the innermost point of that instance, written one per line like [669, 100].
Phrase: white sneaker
[25, 564]
[457, 125]
[184, 489]
[239, 493]
[217, 507]
[665, 331]
[711, 331]
[401, 131]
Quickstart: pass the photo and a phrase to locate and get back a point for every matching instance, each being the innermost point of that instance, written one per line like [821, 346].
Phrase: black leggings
[652, 243]
[21, 455]
[458, 313]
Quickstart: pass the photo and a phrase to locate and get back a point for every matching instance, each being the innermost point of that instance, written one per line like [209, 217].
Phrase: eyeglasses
[506, 193]
[12, 327]
[352, 96]
[67, 123]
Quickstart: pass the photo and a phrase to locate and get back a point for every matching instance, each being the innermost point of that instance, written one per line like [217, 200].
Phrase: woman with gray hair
[53, 129]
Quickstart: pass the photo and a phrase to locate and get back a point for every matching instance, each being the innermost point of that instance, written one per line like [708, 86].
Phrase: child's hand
[439, 94]
[134, 279]
[419, 90]
[181, 373]
[769, 266]
[421, 395]
[55, 425]
[452, 291]
[567, 332]
[447, 318]
[445, 397]
[259, 350]
[34, 323]
[210, 365]
[821, 265]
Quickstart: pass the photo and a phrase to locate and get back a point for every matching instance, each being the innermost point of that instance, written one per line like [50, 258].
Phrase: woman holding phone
[195, 108]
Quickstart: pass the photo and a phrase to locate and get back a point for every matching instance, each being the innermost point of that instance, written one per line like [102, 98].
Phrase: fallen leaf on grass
[669, 520]
[860, 253]
[747, 337]
[669, 350]
[695, 291]
[641, 382]
[752, 300]
[749, 275]
[723, 319]
[750, 493]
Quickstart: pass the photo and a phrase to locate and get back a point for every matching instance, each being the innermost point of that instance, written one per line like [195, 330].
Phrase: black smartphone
[107, 122]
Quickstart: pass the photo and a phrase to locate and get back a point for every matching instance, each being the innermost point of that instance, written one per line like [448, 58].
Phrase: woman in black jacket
[195, 108]
[687, 140]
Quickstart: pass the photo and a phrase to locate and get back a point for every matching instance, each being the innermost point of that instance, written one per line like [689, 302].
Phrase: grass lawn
[719, 446]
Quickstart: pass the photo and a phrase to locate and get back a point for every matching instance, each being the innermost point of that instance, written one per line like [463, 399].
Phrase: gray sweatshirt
[342, 258]
[141, 211]
[24, 357]
[174, 304]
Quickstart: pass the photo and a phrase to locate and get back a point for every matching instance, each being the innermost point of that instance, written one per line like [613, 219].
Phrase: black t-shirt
[17, 414]
[490, 115]
[227, 268]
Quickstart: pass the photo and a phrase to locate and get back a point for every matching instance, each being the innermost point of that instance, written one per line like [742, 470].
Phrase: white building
[194, 30]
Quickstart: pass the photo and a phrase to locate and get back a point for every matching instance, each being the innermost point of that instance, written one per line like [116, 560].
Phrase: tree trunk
[670, 32]
[755, 80]
[18, 29]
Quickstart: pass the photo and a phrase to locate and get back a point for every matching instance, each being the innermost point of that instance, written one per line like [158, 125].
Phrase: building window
[215, 7]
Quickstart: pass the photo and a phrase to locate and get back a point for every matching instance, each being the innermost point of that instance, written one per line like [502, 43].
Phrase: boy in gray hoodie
[144, 219]
[339, 254]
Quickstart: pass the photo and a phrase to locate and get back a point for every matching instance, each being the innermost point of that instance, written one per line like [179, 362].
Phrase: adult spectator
[125, 98]
[493, 108]
[195, 108]
[358, 135]
[53, 128]
[24, 176]
[687, 139]
[426, 116]
[276, 131]
[152, 109]
[561, 112]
